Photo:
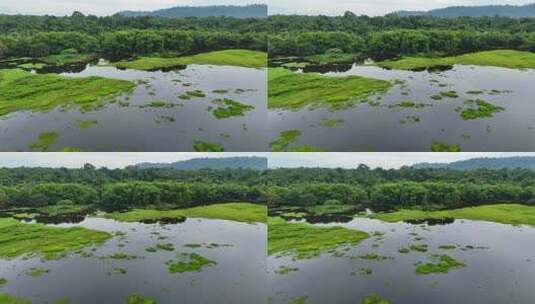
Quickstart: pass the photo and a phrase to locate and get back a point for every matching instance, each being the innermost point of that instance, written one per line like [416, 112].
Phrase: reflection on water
[238, 277]
[129, 125]
[374, 126]
[500, 267]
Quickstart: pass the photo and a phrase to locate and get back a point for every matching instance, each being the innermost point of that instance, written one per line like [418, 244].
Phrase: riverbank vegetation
[504, 196]
[242, 58]
[302, 240]
[288, 90]
[23, 91]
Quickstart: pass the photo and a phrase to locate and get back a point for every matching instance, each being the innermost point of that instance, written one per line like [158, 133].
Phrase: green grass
[374, 299]
[514, 214]
[139, 299]
[499, 58]
[444, 265]
[438, 146]
[19, 239]
[37, 272]
[67, 58]
[483, 110]
[23, 91]
[189, 262]
[285, 139]
[44, 141]
[242, 58]
[284, 270]
[206, 146]
[227, 108]
[331, 122]
[302, 240]
[239, 212]
[32, 66]
[289, 90]
[3, 281]
[9, 299]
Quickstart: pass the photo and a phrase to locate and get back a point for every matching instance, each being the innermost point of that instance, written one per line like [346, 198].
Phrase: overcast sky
[103, 7]
[110, 160]
[371, 7]
[384, 160]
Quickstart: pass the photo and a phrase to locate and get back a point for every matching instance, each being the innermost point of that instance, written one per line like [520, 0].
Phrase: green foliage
[139, 299]
[49, 242]
[500, 213]
[438, 146]
[444, 265]
[205, 146]
[189, 262]
[227, 108]
[23, 91]
[240, 212]
[501, 58]
[243, 58]
[45, 141]
[85, 124]
[285, 139]
[289, 90]
[374, 299]
[483, 109]
[9, 299]
[302, 240]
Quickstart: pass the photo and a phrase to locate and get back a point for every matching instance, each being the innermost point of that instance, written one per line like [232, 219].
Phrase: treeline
[117, 36]
[125, 195]
[404, 188]
[126, 43]
[395, 43]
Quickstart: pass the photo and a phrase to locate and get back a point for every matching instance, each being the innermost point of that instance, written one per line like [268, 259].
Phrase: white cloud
[103, 7]
[370, 7]
[110, 160]
[383, 160]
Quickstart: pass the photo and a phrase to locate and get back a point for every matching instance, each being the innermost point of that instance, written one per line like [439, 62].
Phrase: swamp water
[238, 277]
[500, 266]
[378, 125]
[131, 124]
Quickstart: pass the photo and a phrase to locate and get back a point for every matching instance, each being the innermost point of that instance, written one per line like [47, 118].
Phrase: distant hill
[256, 163]
[525, 162]
[249, 11]
[515, 11]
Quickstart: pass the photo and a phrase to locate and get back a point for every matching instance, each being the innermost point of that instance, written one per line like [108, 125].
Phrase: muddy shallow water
[131, 128]
[373, 126]
[500, 268]
[238, 277]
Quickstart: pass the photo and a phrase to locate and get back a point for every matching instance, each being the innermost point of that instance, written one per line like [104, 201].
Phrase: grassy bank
[239, 212]
[21, 91]
[499, 58]
[302, 240]
[242, 58]
[503, 213]
[289, 90]
[19, 239]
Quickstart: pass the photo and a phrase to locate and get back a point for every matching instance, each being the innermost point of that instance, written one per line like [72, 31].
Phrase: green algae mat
[24, 91]
[292, 91]
[303, 240]
[499, 58]
[240, 58]
[239, 212]
[514, 214]
[18, 239]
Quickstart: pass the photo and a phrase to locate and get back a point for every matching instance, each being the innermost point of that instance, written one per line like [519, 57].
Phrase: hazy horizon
[104, 7]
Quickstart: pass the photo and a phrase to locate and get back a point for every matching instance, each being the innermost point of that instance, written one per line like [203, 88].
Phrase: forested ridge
[517, 11]
[118, 36]
[248, 11]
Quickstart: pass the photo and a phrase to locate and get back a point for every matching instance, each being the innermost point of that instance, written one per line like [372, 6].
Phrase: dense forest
[248, 11]
[118, 36]
[407, 187]
[119, 189]
[253, 162]
[393, 36]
